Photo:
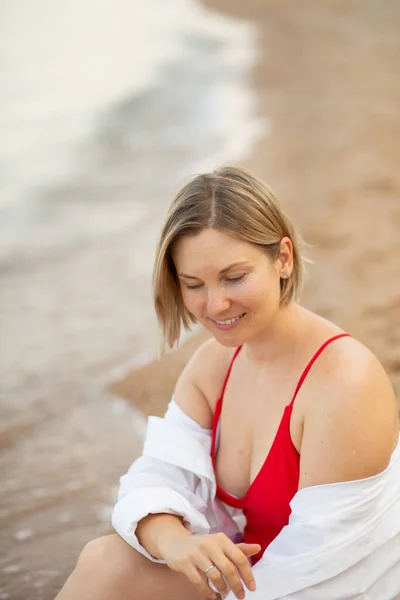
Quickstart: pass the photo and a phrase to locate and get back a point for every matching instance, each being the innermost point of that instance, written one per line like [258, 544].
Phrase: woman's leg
[109, 569]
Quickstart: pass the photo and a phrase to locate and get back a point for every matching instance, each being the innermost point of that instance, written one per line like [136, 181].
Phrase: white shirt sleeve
[153, 486]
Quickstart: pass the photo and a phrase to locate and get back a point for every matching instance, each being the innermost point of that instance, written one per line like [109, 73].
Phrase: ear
[285, 259]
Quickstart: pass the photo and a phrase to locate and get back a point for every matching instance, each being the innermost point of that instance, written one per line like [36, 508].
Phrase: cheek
[252, 293]
[258, 295]
[192, 301]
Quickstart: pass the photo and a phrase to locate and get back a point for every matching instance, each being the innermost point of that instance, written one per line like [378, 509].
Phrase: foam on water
[23, 534]
[11, 569]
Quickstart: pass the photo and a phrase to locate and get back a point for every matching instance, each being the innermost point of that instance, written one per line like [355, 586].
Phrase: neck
[280, 339]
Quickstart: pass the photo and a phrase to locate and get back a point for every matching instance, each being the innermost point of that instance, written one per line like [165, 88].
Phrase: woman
[276, 468]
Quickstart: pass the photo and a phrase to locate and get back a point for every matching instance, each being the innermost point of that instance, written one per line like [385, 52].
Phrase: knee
[109, 557]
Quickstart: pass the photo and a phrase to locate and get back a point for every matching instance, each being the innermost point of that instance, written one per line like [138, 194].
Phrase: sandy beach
[328, 93]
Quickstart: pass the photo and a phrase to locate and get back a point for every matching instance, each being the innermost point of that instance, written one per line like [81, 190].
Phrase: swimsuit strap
[314, 358]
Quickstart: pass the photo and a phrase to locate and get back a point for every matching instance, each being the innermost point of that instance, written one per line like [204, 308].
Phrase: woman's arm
[200, 383]
[351, 425]
[152, 529]
[190, 399]
[207, 365]
[155, 490]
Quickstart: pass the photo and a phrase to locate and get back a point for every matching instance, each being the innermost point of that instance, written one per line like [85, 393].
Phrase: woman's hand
[194, 554]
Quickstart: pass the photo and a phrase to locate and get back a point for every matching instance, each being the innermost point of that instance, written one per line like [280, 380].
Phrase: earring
[285, 275]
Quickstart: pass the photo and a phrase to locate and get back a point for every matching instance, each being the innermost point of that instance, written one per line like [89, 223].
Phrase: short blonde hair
[231, 200]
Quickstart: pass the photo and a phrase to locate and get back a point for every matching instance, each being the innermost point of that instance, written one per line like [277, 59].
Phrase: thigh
[110, 568]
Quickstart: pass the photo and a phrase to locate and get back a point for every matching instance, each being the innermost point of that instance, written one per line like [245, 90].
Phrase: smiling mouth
[229, 321]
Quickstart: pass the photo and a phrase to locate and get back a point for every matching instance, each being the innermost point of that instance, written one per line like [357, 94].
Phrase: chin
[228, 343]
[229, 339]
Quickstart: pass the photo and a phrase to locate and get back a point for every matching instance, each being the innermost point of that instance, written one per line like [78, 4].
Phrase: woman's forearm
[153, 529]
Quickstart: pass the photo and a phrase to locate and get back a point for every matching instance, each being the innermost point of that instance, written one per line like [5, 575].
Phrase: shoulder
[201, 381]
[351, 421]
[345, 367]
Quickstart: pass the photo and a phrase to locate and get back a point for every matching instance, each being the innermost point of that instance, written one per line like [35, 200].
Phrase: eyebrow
[222, 271]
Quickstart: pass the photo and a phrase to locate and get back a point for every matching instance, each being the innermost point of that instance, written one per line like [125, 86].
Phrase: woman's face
[230, 286]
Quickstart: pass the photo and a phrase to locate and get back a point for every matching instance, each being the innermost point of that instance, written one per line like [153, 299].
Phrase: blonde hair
[231, 200]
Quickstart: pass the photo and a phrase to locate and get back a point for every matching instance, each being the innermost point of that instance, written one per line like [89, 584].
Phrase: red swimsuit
[266, 502]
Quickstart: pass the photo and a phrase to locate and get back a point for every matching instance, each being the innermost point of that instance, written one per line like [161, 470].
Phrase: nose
[217, 302]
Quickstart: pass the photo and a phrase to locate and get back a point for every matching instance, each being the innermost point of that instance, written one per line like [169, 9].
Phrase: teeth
[229, 321]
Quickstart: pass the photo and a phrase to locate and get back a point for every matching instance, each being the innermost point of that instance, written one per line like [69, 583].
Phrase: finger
[214, 574]
[249, 549]
[200, 582]
[229, 571]
[240, 560]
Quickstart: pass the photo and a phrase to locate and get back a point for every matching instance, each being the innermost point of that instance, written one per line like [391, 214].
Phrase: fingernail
[252, 586]
[241, 596]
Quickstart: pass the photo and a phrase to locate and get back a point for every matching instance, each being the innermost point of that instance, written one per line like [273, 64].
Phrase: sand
[326, 80]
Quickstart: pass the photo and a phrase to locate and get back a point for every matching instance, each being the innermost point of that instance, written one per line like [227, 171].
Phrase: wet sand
[327, 82]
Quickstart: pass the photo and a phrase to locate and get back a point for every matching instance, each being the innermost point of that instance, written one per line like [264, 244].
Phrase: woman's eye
[236, 279]
[194, 286]
[197, 286]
